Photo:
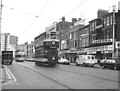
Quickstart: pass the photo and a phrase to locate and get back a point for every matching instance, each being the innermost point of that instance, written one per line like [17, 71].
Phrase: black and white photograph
[70, 45]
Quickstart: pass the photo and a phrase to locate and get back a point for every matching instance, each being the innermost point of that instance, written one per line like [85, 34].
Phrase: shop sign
[92, 52]
[102, 41]
[100, 48]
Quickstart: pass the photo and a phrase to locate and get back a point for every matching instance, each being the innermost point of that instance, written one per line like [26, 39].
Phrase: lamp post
[113, 42]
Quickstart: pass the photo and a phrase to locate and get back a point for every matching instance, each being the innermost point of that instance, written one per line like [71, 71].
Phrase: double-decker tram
[47, 53]
[46, 47]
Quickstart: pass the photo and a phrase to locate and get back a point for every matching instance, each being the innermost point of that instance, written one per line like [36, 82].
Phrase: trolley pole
[113, 43]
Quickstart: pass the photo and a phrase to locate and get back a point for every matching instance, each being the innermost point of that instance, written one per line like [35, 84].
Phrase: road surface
[26, 75]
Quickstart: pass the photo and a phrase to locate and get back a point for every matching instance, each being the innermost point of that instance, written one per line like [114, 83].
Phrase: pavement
[3, 74]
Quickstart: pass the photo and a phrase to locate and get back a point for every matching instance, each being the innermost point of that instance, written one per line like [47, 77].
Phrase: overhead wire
[27, 13]
[38, 15]
[18, 10]
[71, 11]
[76, 8]
[35, 17]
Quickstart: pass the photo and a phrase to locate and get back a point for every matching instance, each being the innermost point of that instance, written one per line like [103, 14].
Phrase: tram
[46, 47]
[19, 56]
[47, 53]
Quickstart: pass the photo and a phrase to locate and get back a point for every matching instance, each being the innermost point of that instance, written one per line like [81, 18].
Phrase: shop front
[69, 55]
[100, 52]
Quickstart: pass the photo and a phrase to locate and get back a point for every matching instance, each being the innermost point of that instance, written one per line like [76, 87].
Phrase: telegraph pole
[113, 43]
[0, 29]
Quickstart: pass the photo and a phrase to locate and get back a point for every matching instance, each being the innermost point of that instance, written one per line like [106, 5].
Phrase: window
[88, 57]
[53, 36]
[108, 34]
[107, 21]
[74, 34]
[93, 26]
[95, 23]
[90, 27]
[111, 33]
[104, 22]
[75, 44]
[92, 57]
[70, 35]
[111, 18]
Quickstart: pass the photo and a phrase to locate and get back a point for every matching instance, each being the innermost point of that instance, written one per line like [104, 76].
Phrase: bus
[7, 57]
[47, 53]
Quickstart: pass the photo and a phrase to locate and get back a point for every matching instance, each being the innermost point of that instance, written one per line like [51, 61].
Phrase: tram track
[67, 87]
[89, 75]
[84, 74]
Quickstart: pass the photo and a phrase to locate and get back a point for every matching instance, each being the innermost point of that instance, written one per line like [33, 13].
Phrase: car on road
[63, 61]
[110, 63]
[86, 60]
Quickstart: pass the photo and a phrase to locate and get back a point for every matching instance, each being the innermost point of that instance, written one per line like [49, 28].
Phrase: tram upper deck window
[53, 36]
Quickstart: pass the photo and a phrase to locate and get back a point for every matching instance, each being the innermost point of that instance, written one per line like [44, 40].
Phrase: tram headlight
[53, 58]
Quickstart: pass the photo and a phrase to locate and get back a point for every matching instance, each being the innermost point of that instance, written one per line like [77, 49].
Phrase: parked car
[30, 59]
[110, 63]
[63, 61]
[86, 60]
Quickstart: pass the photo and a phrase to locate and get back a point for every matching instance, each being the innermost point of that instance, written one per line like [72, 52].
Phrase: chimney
[63, 18]
[79, 19]
[74, 20]
[101, 13]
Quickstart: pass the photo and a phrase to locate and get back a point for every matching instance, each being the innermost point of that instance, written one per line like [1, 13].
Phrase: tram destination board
[48, 43]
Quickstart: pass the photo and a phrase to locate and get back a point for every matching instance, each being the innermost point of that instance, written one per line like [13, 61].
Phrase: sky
[28, 18]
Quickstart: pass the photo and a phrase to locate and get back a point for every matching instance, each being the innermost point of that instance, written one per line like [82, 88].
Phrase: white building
[5, 41]
[8, 42]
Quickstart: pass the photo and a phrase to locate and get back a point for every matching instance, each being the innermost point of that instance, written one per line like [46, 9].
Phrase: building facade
[5, 41]
[39, 39]
[8, 42]
[83, 39]
[29, 50]
[63, 29]
[101, 36]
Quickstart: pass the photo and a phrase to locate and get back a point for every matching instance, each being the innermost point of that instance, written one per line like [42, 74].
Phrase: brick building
[83, 39]
[101, 35]
[63, 29]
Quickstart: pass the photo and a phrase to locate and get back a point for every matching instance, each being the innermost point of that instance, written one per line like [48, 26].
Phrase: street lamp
[113, 42]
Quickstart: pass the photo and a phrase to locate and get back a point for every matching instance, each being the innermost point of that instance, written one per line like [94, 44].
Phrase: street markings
[10, 78]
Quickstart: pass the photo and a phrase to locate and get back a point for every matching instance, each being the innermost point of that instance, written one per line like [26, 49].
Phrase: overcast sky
[28, 18]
